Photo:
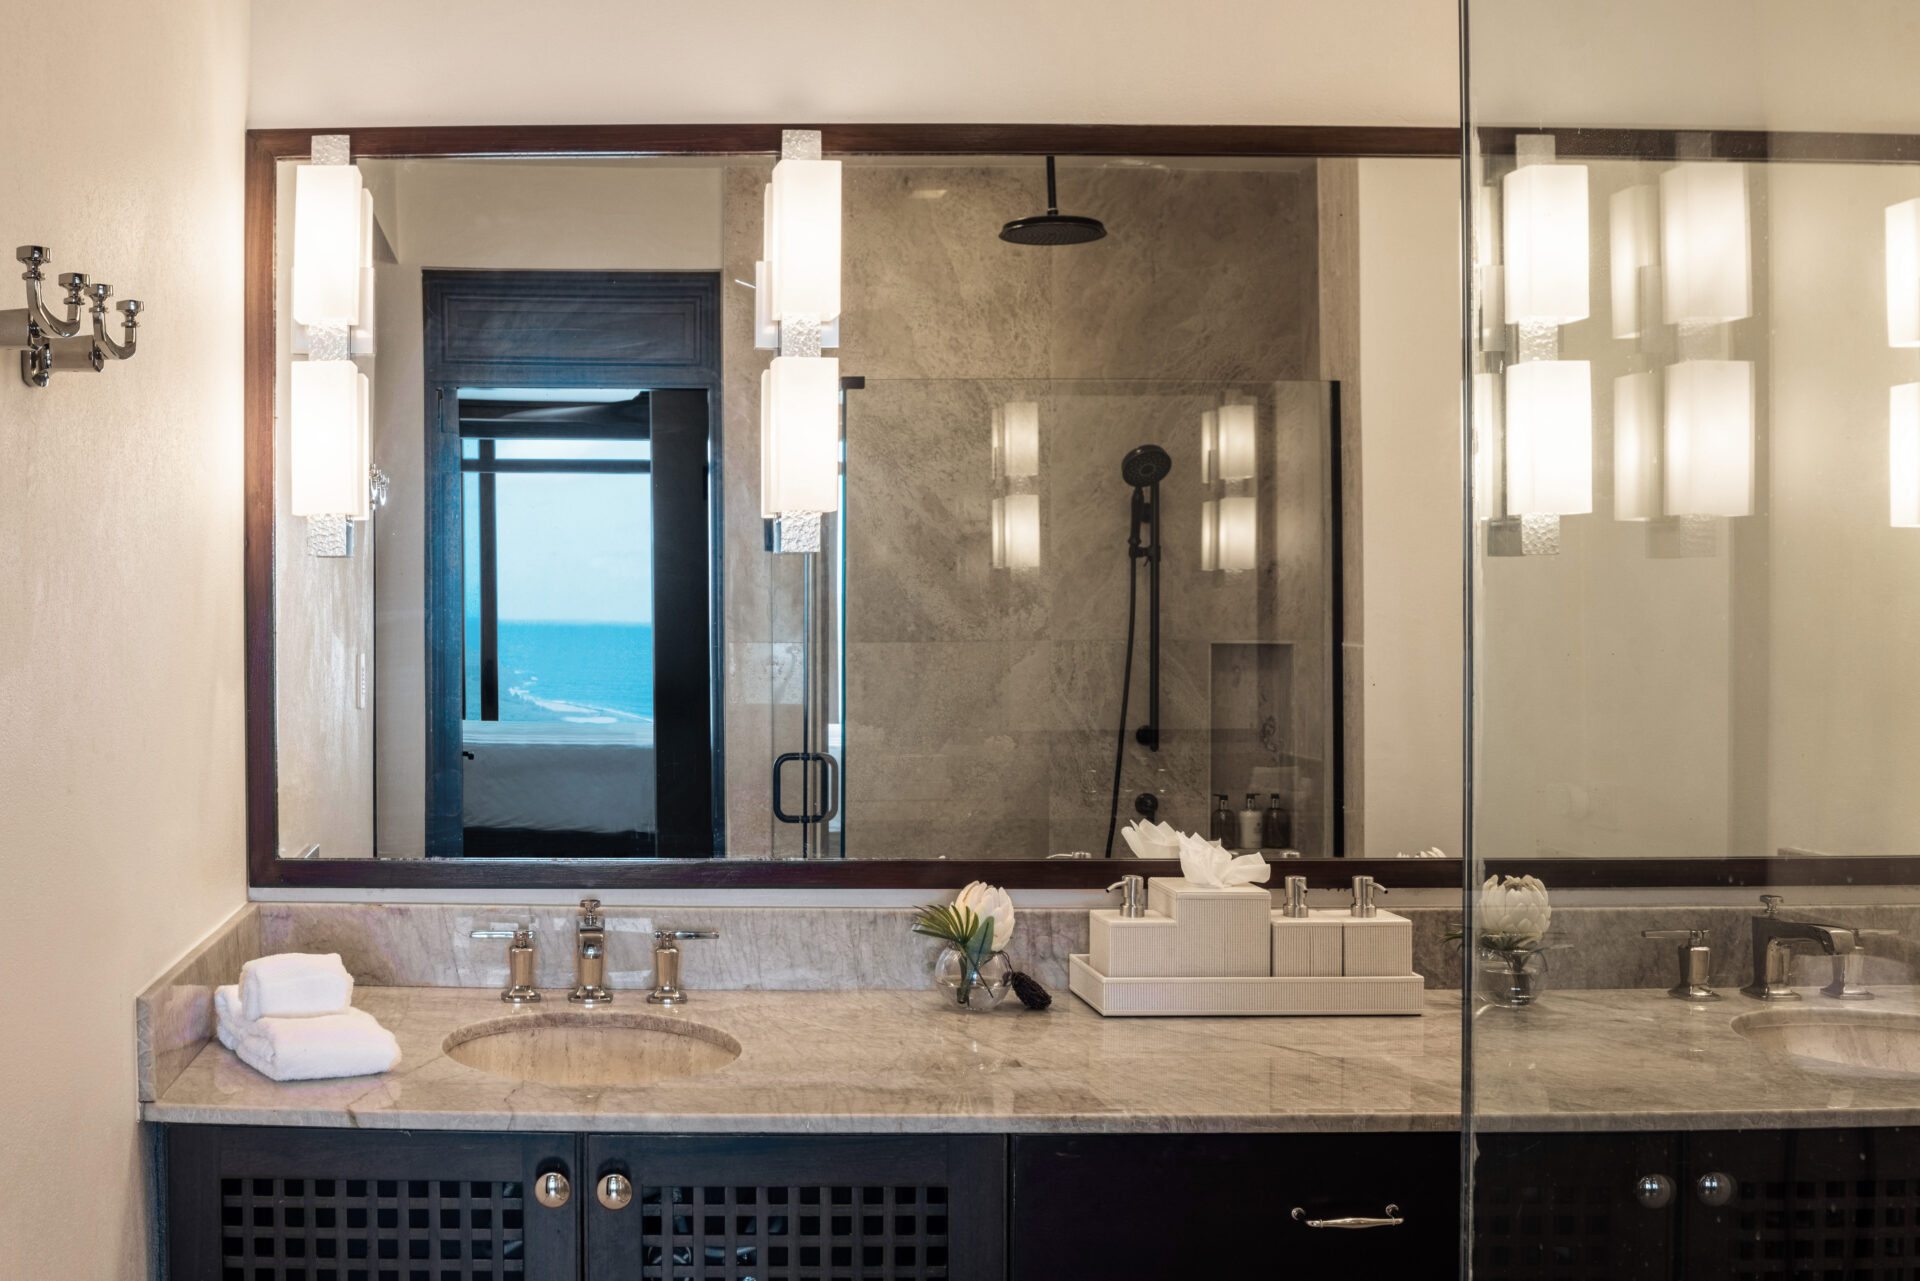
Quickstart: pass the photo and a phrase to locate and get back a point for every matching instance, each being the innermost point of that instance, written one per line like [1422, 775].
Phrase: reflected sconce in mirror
[1709, 438]
[1549, 438]
[1544, 217]
[1229, 533]
[1016, 531]
[1015, 513]
[1636, 447]
[1633, 218]
[797, 312]
[1903, 456]
[1903, 274]
[1229, 522]
[332, 304]
[1016, 440]
[51, 344]
[1704, 239]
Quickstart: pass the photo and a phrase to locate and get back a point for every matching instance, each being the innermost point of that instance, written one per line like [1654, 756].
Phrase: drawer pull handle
[615, 1192]
[552, 1189]
[1392, 1220]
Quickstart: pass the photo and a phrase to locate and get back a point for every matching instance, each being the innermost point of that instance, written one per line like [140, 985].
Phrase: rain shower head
[1146, 465]
[1052, 227]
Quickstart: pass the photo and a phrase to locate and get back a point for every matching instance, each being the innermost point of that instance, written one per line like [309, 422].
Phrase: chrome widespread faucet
[590, 957]
[666, 965]
[1773, 942]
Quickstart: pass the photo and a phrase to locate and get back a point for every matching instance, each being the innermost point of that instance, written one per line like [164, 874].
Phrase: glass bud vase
[966, 986]
[1512, 978]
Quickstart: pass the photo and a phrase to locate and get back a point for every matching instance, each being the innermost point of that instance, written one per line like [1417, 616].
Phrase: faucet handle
[1772, 903]
[1696, 964]
[1695, 936]
[663, 935]
[590, 913]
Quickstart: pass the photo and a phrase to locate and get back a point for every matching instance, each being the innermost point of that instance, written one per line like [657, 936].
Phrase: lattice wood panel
[1560, 1208]
[794, 1233]
[279, 1229]
[1823, 1230]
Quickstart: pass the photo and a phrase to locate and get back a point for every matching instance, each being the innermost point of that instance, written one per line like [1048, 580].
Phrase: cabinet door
[260, 1204]
[750, 1208]
[1813, 1203]
[1561, 1207]
[1152, 1207]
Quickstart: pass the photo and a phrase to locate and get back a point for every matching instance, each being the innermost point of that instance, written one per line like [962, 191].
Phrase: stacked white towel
[307, 1028]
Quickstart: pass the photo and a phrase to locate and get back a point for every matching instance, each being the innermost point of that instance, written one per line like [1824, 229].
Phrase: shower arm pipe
[1148, 735]
[1053, 199]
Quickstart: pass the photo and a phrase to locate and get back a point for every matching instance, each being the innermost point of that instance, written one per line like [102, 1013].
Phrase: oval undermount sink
[591, 1047]
[1853, 1042]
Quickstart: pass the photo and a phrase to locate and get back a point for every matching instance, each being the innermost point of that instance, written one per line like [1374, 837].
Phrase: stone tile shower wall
[982, 704]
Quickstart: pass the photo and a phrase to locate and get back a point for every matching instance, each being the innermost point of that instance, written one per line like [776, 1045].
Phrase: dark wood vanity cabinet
[1153, 1207]
[1789, 1204]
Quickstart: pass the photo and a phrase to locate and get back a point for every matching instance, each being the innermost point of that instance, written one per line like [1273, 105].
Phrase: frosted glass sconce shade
[1549, 438]
[329, 440]
[1633, 218]
[1636, 446]
[1233, 456]
[1017, 438]
[1237, 538]
[1903, 455]
[329, 213]
[1016, 532]
[1210, 535]
[1903, 274]
[1704, 238]
[800, 435]
[803, 239]
[1544, 215]
[1486, 421]
[1710, 438]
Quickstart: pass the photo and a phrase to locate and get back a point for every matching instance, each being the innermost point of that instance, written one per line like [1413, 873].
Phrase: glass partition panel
[1693, 273]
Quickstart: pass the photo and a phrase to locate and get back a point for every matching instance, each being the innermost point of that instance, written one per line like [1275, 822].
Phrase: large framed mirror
[1093, 554]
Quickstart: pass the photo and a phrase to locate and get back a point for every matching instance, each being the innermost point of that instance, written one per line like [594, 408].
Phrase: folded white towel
[294, 983]
[348, 1043]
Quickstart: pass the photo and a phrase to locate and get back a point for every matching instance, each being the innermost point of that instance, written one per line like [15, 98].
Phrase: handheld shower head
[1146, 465]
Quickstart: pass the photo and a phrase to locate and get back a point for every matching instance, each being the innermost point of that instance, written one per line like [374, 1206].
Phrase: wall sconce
[332, 298]
[51, 345]
[1704, 237]
[1633, 219]
[1549, 438]
[1016, 440]
[1636, 446]
[1237, 540]
[1227, 443]
[1903, 455]
[1903, 274]
[1016, 531]
[1544, 216]
[1709, 453]
[797, 309]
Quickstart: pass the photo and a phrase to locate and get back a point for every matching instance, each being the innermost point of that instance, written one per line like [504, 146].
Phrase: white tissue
[1151, 840]
[1210, 865]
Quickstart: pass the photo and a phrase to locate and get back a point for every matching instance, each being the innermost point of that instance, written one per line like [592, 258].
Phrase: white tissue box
[1189, 931]
[1310, 946]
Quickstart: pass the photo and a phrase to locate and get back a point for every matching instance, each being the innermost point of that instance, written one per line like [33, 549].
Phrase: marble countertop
[883, 1061]
[1635, 1059]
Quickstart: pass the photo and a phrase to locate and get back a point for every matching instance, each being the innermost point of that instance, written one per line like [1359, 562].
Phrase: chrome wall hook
[51, 345]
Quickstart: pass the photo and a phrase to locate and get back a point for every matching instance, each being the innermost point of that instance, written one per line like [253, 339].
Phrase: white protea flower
[1514, 912]
[985, 900]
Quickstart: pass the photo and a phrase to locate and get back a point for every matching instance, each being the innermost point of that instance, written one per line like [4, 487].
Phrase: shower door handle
[831, 788]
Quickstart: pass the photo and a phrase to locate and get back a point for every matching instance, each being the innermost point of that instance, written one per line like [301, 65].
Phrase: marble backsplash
[809, 948]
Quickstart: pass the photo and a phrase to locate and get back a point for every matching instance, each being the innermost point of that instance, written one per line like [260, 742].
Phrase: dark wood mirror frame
[266, 147]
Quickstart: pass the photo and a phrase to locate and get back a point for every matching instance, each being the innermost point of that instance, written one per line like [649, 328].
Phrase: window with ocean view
[558, 587]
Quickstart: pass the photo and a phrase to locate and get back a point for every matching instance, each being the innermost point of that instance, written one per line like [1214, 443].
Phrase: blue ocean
[583, 673]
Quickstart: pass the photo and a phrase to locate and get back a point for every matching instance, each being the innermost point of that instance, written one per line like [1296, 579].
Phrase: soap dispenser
[1224, 826]
[1276, 825]
[1294, 904]
[1249, 828]
[1364, 888]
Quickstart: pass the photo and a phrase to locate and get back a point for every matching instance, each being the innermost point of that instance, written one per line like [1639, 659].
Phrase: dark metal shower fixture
[1052, 227]
[1143, 468]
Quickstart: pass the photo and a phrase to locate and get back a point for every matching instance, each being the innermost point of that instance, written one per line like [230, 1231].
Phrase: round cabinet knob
[1655, 1191]
[616, 1193]
[552, 1189]
[1714, 1188]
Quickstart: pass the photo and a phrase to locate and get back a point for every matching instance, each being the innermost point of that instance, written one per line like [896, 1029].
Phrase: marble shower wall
[982, 703]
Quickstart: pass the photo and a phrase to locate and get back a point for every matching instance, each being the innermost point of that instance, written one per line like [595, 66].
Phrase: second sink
[1855, 1042]
[604, 1048]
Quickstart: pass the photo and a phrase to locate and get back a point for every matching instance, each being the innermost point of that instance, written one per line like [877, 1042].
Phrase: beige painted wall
[1409, 249]
[120, 636]
[368, 62]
